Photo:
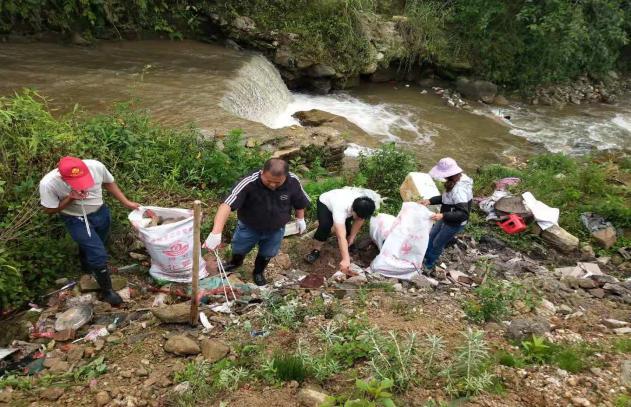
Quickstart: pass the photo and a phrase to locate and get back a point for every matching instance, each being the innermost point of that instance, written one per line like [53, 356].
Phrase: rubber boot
[259, 270]
[105, 282]
[235, 261]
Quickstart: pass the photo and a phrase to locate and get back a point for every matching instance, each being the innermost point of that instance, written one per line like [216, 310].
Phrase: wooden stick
[197, 221]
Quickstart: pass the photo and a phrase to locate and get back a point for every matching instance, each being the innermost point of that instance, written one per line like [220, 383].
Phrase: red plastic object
[514, 224]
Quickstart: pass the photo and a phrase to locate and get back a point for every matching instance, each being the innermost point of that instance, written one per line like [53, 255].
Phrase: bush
[152, 164]
[384, 171]
[493, 302]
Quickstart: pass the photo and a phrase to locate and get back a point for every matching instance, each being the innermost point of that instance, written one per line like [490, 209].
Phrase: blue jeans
[245, 238]
[92, 251]
[440, 235]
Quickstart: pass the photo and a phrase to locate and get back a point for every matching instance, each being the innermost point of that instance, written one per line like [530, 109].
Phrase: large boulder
[560, 239]
[320, 70]
[477, 90]
[244, 23]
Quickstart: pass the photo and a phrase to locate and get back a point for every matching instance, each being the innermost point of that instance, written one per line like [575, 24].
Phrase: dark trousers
[440, 235]
[325, 223]
[92, 251]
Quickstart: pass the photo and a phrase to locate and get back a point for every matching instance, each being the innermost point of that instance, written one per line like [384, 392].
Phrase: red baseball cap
[75, 173]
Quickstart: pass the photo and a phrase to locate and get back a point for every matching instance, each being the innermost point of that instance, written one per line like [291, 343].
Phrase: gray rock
[52, 393]
[214, 350]
[244, 23]
[614, 323]
[622, 331]
[625, 373]
[605, 278]
[181, 345]
[614, 289]
[477, 90]
[597, 292]
[320, 70]
[311, 397]
[587, 283]
[564, 309]
[520, 329]
[321, 86]
[173, 314]
[560, 239]
[182, 388]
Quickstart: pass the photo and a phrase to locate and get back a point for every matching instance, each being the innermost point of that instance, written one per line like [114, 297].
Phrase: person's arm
[436, 200]
[340, 232]
[300, 213]
[63, 204]
[357, 225]
[221, 217]
[116, 192]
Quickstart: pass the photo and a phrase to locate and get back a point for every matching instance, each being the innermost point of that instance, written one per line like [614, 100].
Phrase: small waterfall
[257, 93]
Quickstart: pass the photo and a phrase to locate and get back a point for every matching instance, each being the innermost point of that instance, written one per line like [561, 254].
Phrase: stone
[614, 289]
[6, 396]
[52, 393]
[142, 372]
[564, 309]
[500, 100]
[320, 86]
[460, 277]
[173, 314]
[87, 283]
[283, 261]
[597, 292]
[588, 251]
[310, 397]
[606, 237]
[587, 283]
[102, 398]
[521, 329]
[398, 287]
[214, 350]
[75, 354]
[581, 402]
[60, 282]
[181, 345]
[138, 256]
[320, 70]
[287, 153]
[545, 308]
[511, 204]
[359, 279]
[476, 90]
[622, 331]
[603, 279]
[312, 281]
[244, 23]
[614, 323]
[57, 366]
[560, 239]
[625, 373]
[182, 388]
[423, 282]
[77, 39]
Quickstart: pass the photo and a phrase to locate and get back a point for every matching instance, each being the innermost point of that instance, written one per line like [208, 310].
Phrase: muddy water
[211, 86]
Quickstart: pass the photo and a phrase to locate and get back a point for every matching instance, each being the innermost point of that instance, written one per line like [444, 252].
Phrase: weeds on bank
[468, 374]
[494, 300]
[572, 358]
[370, 393]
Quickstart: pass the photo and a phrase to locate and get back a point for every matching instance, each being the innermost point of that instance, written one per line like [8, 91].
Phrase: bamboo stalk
[197, 220]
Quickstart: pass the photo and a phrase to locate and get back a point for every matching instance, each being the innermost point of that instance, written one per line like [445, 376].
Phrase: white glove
[213, 241]
[302, 225]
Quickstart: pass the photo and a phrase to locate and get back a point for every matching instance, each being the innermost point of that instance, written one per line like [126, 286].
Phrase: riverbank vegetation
[171, 167]
[514, 43]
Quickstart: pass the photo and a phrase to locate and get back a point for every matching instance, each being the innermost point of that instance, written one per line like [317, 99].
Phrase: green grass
[290, 367]
[622, 345]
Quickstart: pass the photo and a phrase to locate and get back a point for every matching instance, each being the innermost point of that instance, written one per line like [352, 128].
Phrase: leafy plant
[372, 393]
[468, 374]
[537, 350]
[198, 375]
[394, 358]
[231, 378]
[493, 301]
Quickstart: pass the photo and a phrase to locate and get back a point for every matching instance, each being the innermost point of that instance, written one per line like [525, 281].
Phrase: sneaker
[313, 256]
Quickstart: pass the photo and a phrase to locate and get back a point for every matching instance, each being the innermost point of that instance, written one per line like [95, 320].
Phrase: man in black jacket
[264, 201]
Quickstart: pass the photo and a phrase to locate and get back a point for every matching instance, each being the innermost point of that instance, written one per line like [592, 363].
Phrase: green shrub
[384, 171]
[493, 301]
[289, 367]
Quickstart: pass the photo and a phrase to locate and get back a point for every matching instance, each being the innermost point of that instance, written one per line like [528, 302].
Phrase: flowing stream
[218, 89]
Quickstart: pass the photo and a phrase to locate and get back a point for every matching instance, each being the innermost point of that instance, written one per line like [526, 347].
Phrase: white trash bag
[169, 245]
[380, 227]
[401, 255]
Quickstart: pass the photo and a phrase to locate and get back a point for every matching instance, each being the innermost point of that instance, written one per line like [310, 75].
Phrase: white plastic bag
[170, 246]
[403, 250]
[380, 227]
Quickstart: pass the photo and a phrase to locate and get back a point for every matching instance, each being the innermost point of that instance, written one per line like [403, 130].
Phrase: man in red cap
[74, 191]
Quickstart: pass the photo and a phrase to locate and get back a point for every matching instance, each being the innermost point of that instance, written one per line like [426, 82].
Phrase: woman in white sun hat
[455, 206]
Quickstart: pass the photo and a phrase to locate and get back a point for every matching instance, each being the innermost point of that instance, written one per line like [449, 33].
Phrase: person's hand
[345, 266]
[302, 225]
[213, 241]
[132, 205]
[351, 240]
[424, 202]
[77, 195]
[437, 216]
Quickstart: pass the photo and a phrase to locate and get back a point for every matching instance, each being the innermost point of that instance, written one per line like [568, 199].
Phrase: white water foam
[622, 121]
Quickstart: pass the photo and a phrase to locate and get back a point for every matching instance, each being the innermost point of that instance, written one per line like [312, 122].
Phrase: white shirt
[462, 192]
[53, 189]
[340, 201]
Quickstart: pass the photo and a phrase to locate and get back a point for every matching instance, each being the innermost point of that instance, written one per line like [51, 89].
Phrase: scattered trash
[260, 333]
[291, 229]
[160, 300]
[504, 183]
[222, 308]
[513, 224]
[74, 318]
[4, 352]
[205, 322]
[64, 288]
[545, 216]
[94, 334]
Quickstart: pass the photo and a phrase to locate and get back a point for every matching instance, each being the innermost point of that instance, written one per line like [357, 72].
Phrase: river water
[218, 89]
